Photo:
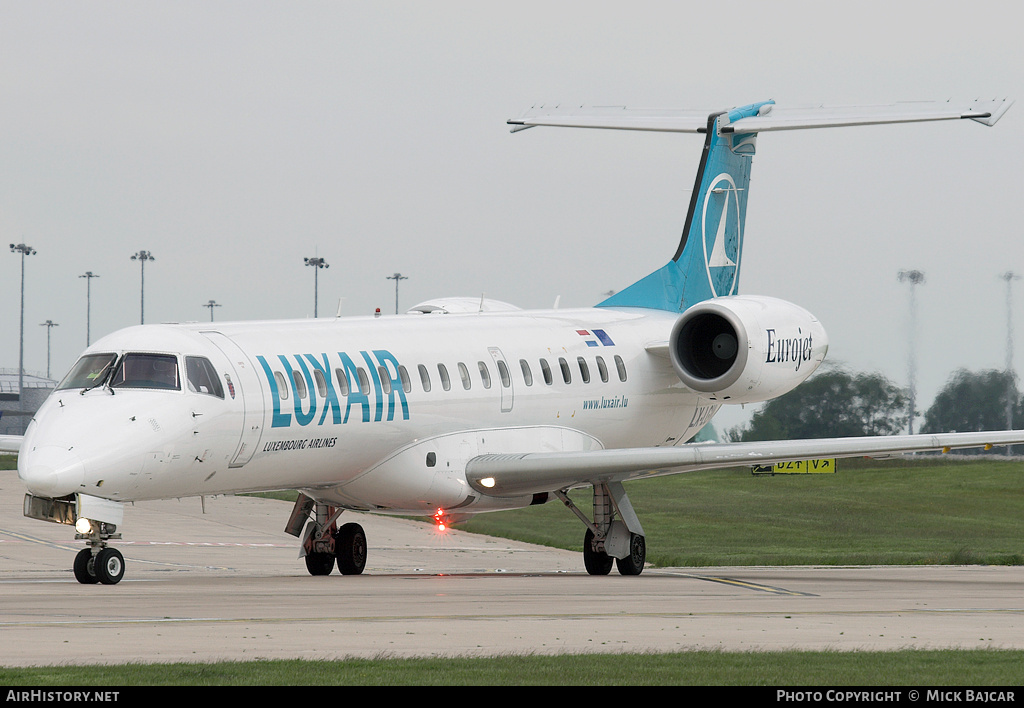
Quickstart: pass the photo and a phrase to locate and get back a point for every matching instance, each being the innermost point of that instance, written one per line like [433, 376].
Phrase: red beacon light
[440, 520]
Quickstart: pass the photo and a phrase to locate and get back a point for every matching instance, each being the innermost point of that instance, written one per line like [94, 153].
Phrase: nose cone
[51, 471]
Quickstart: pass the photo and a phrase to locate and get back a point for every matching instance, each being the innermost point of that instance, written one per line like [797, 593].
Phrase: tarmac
[225, 582]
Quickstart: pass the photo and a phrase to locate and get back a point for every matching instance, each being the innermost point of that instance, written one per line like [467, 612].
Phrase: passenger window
[446, 383]
[485, 374]
[621, 366]
[404, 376]
[566, 373]
[385, 379]
[584, 369]
[147, 371]
[364, 381]
[342, 381]
[424, 378]
[321, 383]
[300, 384]
[602, 369]
[282, 385]
[202, 377]
[546, 370]
[527, 374]
[464, 373]
[506, 380]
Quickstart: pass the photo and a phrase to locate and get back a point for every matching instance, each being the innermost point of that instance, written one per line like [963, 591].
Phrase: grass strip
[983, 667]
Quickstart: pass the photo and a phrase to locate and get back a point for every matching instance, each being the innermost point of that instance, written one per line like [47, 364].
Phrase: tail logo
[722, 237]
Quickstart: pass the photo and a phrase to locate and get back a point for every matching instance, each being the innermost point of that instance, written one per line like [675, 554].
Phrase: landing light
[487, 482]
[83, 526]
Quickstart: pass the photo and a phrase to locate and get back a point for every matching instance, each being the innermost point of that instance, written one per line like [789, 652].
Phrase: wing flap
[513, 475]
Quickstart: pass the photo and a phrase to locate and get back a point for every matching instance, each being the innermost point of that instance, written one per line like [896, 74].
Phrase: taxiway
[227, 584]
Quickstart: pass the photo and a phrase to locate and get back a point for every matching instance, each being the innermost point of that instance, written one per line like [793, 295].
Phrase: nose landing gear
[98, 562]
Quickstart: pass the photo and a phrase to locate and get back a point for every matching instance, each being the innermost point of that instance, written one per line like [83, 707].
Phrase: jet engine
[746, 348]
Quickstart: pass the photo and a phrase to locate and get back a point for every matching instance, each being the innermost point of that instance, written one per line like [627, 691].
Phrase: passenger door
[504, 379]
[244, 382]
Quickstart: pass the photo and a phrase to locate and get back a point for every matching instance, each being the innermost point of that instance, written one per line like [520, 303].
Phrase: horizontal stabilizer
[986, 112]
[769, 117]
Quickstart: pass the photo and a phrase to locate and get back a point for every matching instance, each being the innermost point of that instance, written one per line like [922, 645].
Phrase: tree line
[838, 403]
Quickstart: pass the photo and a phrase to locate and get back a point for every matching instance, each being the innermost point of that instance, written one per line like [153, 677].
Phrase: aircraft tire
[109, 566]
[596, 562]
[84, 567]
[350, 549]
[633, 564]
[319, 563]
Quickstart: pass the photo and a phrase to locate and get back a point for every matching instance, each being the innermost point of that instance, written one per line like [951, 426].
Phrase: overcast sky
[233, 139]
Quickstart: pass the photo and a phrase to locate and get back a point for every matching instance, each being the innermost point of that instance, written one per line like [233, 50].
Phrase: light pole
[24, 251]
[142, 257]
[396, 277]
[49, 324]
[211, 304]
[915, 278]
[317, 264]
[1009, 277]
[89, 275]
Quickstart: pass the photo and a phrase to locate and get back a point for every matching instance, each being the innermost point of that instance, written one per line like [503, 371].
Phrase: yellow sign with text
[798, 467]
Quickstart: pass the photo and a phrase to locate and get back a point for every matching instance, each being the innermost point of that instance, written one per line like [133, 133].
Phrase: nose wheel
[98, 562]
[105, 566]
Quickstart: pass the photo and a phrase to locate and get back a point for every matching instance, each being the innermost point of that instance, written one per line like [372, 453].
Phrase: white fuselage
[357, 412]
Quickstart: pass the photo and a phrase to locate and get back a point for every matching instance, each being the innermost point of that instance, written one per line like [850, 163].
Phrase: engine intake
[707, 346]
[745, 349]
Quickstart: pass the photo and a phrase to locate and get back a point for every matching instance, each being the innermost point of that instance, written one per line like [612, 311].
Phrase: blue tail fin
[707, 262]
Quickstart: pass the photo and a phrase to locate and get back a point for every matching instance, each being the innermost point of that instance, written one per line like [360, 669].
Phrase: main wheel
[109, 566]
[350, 549]
[319, 563]
[85, 572]
[633, 564]
[596, 562]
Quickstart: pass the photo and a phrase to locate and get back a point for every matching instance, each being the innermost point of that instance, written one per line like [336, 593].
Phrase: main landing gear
[97, 562]
[610, 540]
[323, 543]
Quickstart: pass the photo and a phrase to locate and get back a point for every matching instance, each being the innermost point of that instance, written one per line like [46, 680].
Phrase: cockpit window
[89, 371]
[202, 377]
[147, 371]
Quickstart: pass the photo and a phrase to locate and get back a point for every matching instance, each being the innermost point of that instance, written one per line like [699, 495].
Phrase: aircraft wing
[10, 443]
[515, 475]
[759, 117]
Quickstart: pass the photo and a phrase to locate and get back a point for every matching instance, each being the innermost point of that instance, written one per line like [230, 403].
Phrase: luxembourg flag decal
[596, 338]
